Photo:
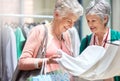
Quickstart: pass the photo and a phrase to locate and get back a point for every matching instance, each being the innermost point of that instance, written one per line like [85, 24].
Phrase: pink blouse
[28, 57]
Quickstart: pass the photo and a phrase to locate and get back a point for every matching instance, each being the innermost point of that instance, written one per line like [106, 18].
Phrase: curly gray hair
[69, 6]
[99, 7]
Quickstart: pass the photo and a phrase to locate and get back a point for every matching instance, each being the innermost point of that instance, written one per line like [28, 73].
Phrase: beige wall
[37, 7]
[116, 14]
[43, 7]
[27, 7]
[9, 7]
[85, 28]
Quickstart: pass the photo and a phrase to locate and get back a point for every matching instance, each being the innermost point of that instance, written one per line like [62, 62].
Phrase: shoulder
[88, 37]
[115, 35]
[36, 33]
[38, 28]
[115, 32]
[85, 42]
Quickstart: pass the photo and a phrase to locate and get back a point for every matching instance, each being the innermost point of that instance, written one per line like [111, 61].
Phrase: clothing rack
[23, 15]
[6, 35]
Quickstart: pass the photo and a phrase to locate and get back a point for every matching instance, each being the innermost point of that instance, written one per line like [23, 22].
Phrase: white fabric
[9, 53]
[94, 63]
[75, 40]
[73, 37]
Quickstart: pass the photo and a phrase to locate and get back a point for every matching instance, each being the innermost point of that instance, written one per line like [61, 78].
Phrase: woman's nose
[90, 24]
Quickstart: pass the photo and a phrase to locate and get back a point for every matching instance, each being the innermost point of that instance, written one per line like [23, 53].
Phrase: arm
[28, 58]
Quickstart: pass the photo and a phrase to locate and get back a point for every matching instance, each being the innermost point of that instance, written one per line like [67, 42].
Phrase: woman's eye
[69, 21]
[87, 20]
[93, 20]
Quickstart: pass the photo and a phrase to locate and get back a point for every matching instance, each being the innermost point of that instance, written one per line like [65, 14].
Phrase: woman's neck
[101, 35]
[55, 32]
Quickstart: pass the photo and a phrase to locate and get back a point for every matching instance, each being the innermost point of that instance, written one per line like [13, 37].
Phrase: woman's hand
[52, 59]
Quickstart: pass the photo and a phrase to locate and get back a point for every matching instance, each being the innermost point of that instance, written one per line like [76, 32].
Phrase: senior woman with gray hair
[97, 16]
[66, 13]
[88, 64]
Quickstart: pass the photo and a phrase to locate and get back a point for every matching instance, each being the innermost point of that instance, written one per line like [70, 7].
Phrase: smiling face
[95, 23]
[65, 22]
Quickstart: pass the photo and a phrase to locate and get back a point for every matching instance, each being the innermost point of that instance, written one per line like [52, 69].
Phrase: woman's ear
[105, 20]
[56, 14]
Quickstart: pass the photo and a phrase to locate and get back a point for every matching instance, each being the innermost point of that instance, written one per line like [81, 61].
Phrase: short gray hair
[69, 6]
[99, 7]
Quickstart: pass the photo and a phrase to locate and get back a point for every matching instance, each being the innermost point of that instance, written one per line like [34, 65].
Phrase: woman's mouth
[66, 28]
[92, 28]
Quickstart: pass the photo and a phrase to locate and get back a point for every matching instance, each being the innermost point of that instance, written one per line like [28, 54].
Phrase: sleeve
[85, 42]
[83, 45]
[28, 58]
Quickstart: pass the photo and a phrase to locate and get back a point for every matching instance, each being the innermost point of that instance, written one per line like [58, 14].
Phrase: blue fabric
[51, 77]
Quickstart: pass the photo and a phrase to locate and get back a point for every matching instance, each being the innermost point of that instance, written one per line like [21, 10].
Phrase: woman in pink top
[66, 12]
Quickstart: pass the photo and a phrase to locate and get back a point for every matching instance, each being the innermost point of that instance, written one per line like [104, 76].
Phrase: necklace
[59, 38]
[104, 41]
[56, 35]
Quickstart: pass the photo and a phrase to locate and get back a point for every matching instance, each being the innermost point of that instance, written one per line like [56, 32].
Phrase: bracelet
[36, 64]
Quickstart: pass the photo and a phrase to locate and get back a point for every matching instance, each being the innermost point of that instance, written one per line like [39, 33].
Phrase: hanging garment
[20, 39]
[9, 54]
[0, 57]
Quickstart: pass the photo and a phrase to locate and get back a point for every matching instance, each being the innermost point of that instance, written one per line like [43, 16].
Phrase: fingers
[56, 56]
[53, 58]
[59, 51]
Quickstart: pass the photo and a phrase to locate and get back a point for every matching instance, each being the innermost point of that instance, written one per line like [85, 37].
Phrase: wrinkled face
[66, 22]
[95, 23]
